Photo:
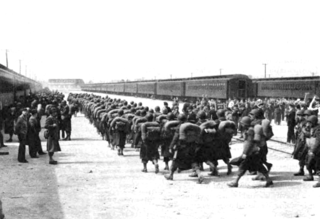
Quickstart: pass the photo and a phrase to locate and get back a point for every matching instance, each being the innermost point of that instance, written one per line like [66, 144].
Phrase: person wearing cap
[291, 123]
[52, 126]
[277, 114]
[21, 129]
[165, 106]
[10, 117]
[250, 157]
[1, 135]
[184, 153]
[313, 147]
[222, 149]
[256, 116]
[300, 149]
[33, 134]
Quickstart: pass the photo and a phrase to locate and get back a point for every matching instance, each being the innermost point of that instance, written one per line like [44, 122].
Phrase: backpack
[121, 126]
[269, 132]
[46, 134]
[153, 133]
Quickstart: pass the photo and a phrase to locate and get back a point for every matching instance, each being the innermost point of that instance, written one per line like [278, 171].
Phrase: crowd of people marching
[201, 133]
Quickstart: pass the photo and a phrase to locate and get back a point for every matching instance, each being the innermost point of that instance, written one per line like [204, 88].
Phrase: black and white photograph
[145, 109]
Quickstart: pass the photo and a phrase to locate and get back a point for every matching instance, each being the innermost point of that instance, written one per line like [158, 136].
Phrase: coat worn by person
[53, 134]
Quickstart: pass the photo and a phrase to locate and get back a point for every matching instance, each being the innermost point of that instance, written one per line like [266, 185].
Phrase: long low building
[65, 84]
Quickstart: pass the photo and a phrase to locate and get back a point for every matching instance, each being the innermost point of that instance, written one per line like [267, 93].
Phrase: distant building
[65, 84]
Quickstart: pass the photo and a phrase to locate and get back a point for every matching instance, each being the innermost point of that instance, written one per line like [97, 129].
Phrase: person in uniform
[312, 131]
[9, 122]
[33, 134]
[250, 157]
[21, 129]
[184, 153]
[1, 135]
[65, 120]
[149, 147]
[291, 123]
[256, 116]
[53, 134]
[300, 149]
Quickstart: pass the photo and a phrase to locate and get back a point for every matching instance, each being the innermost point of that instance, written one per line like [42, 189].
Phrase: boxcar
[232, 86]
[119, 88]
[146, 89]
[130, 88]
[169, 89]
[287, 87]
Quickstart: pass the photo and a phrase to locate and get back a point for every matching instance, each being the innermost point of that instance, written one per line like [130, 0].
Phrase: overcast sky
[114, 40]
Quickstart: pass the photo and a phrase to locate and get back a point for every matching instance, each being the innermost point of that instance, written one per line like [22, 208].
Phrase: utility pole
[265, 70]
[191, 74]
[171, 76]
[7, 58]
[220, 71]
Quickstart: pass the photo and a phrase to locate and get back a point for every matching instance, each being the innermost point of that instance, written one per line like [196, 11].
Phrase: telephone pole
[265, 70]
[220, 71]
[7, 58]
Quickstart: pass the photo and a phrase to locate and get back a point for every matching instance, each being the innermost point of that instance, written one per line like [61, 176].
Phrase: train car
[219, 87]
[293, 87]
[169, 89]
[130, 88]
[119, 88]
[146, 89]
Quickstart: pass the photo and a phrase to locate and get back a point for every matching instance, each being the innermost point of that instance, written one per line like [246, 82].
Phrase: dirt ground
[92, 181]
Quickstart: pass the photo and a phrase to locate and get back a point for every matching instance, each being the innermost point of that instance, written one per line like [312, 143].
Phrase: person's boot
[167, 166]
[317, 185]
[229, 169]
[144, 168]
[269, 166]
[308, 178]
[214, 172]
[299, 173]
[168, 176]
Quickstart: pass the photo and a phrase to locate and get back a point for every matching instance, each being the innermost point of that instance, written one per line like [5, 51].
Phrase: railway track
[285, 147]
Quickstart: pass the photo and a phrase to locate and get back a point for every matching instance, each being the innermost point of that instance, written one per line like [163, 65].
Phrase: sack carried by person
[46, 134]
[153, 133]
[121, 126]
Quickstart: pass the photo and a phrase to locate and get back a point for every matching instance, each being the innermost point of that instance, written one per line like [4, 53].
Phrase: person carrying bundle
[312, 132]
[251, 158]
[150, 136]
[120, 127]
[184, 145]
[167, 133]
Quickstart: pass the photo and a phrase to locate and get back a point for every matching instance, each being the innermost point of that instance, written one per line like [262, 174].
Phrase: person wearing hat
[52, 126]
[291, 123]
[33, 134]
[250, 157]
[184, 153]
[300, 149]
[277, 114]
[313, 146]
[10, 117]
[1, 136]
[21, 129]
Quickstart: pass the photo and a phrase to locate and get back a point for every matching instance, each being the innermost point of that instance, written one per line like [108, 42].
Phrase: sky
[103, 41]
